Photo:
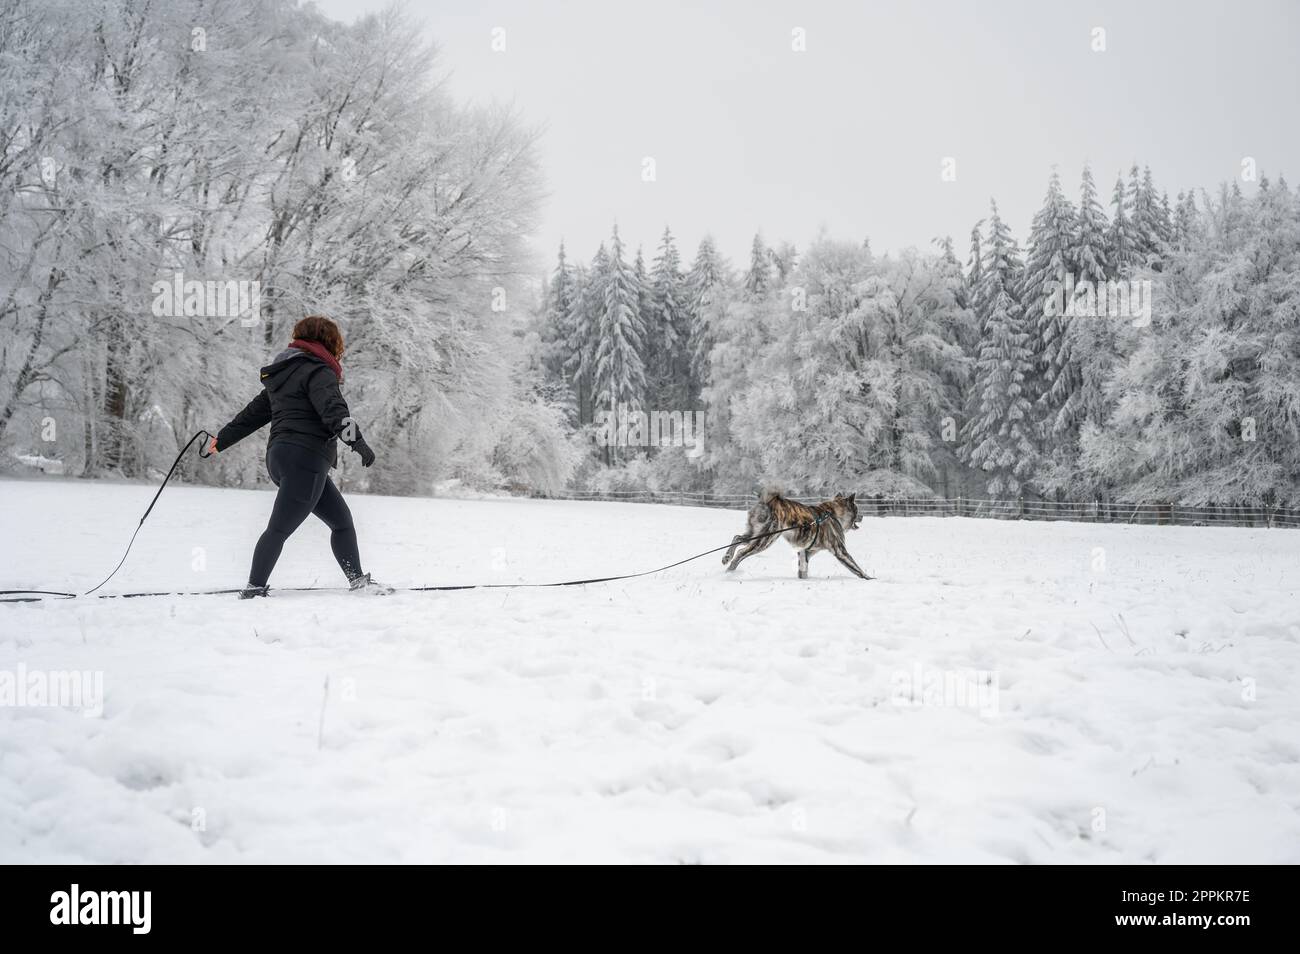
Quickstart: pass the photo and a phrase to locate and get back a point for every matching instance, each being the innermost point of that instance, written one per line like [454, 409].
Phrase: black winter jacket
[302, 401]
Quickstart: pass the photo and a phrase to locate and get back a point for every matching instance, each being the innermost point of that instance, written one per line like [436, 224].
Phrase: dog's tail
[770, 493]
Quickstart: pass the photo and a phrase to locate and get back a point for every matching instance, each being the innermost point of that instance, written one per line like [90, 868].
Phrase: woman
[301, 400]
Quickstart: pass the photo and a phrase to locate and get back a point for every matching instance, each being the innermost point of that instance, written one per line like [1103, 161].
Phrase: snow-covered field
[1004, 692]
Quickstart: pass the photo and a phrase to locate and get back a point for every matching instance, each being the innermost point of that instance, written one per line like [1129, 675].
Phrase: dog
[812, 529]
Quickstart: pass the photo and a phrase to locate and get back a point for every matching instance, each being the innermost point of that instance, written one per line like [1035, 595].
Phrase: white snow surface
[1134, 688]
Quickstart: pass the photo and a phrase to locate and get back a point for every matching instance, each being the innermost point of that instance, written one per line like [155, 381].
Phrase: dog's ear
[853, 496]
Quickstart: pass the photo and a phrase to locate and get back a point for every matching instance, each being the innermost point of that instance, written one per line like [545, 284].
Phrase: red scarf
[320, 351]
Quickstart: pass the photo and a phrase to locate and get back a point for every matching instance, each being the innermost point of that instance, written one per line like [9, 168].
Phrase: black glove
[361, 447]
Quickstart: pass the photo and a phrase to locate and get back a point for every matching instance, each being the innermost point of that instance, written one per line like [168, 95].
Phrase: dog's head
[846, 511]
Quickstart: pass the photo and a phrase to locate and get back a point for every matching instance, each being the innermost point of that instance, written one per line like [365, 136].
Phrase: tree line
[1139, 349]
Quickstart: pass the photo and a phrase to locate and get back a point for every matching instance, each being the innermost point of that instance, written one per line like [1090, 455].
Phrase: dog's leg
[841, 554]
[736, 541]
[803, 564]
[754, 546]
[755, 523]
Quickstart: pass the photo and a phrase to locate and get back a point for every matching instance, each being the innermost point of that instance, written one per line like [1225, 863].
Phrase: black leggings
[305, 487]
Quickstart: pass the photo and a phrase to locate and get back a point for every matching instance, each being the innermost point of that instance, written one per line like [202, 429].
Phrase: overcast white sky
[748, 135]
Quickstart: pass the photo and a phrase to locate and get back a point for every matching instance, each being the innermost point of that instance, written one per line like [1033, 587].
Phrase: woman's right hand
[212, 446]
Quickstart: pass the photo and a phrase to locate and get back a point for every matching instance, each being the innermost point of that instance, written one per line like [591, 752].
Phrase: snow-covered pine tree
[645, 315]
[667, 329]
[556, 333]
[1051, 237]
[643, 290]
[1088, 253]
[963, 326]
[759, 277]
[706, 279]
[1230, 218]
[584, 330]
[1122, 246]
[998, 438]
[1164, 220]
[1145, 217]
[974, 266]
[948, 253]
[960, 328]
[784, 259]
[1185, 219]
[619, 376]
[1089, 341]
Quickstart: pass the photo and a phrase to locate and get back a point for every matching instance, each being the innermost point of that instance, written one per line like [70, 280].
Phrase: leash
[597, 579]
[42, 594]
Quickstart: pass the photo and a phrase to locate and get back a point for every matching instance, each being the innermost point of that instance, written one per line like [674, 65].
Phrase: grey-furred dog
[811, 529]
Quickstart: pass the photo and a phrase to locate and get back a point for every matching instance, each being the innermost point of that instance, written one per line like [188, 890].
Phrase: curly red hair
[320, 329]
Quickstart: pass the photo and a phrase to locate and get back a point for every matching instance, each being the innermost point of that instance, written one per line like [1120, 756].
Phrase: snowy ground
[1004, 692]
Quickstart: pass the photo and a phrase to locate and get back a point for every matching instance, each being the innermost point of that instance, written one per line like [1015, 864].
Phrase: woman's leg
[300, 480]
[333, 510]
